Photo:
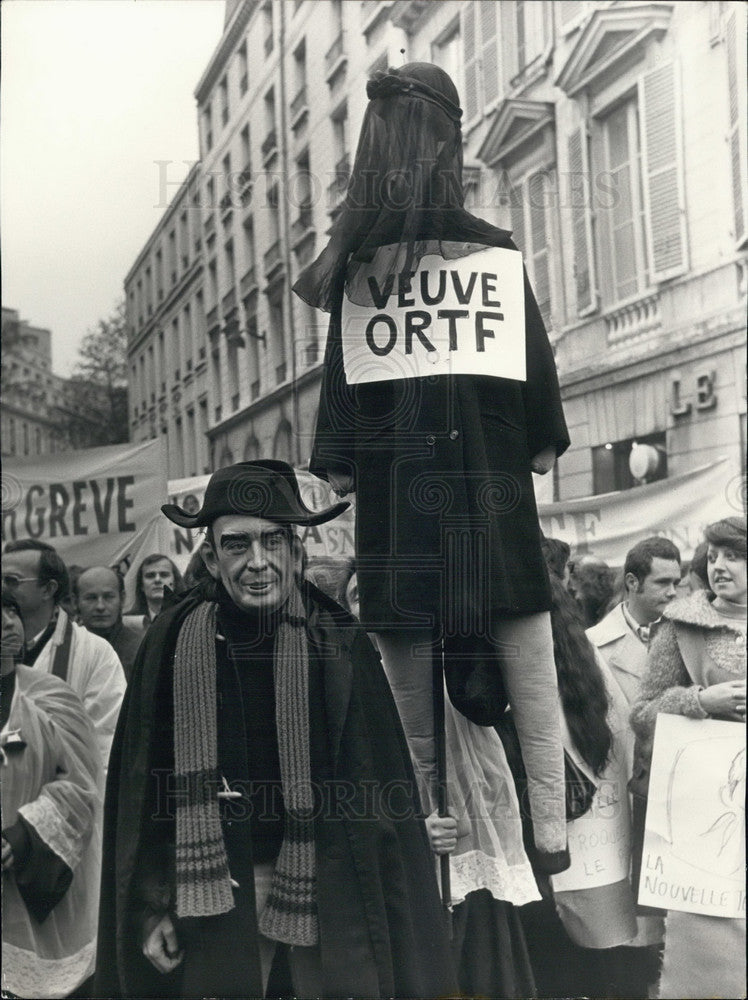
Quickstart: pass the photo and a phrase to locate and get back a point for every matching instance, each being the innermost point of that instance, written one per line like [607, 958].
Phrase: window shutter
[581, 221]
[517, 211]
[734, 138]
[568, 11]
[509, 65]
[489, 17]
[662, 171]
[470, 60]
[537, 196]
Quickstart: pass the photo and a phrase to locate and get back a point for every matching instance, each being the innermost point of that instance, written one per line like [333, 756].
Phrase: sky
[93, 94]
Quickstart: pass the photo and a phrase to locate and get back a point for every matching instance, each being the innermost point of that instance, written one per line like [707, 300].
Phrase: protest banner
[449, 317]
[679, 508]
[89, 504]
[694, 836]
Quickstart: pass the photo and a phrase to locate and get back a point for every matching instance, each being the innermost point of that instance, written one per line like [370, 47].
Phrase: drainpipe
[285, 175]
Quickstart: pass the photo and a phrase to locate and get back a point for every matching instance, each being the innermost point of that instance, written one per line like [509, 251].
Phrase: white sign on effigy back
[449, 317]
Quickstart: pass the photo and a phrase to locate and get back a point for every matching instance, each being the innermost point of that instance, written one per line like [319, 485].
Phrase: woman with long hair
[577, 934]
[156, 574]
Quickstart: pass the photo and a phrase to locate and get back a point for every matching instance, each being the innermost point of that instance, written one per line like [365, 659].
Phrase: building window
[532, 200]
[267, 21]
[480, 53]
[184, 240]
[270, 142]
[243, 69]
[299, 101]
[625, 270]
[282, 445]
[223, 93]
[526, 29]
[208, 129]
[612, 463]
[159, 276]
[446, 52]
[246, 148]
[277, 337]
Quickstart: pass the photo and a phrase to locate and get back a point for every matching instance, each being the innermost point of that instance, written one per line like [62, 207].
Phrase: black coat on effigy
[446, 520]
[382, 930]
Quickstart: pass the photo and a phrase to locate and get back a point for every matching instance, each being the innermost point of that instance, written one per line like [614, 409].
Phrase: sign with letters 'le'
[450, 317]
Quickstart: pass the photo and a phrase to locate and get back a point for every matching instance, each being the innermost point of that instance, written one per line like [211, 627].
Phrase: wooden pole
[440, 742]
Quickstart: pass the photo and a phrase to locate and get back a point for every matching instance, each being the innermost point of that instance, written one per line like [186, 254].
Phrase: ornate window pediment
[608, 36]
[515, 122]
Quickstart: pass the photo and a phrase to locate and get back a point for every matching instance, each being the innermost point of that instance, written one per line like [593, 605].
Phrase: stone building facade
[32, 395]
[610, 137]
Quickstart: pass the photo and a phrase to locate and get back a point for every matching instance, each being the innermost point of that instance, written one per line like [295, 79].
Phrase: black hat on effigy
[264, 488]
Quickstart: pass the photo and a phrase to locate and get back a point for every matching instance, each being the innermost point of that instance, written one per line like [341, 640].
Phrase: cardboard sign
[694, 837]
[450, 317]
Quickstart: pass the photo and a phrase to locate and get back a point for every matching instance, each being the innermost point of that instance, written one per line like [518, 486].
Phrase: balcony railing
[299, 106]
[248, 282]
[211, 319]
[270, 144]
[228, 302]
[272, 257]
[334, 54]
[633, 319]
[302, 224]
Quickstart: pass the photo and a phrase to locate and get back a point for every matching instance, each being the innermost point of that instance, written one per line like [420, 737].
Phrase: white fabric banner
[694, 838]
[461, 316]
[679, 508]
[90, 504]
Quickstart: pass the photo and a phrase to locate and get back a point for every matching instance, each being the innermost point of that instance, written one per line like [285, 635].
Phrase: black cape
[447, 528]
[382, 927]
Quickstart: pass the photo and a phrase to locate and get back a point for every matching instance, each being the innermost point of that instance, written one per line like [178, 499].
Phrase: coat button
[431, 439]
[454, 435]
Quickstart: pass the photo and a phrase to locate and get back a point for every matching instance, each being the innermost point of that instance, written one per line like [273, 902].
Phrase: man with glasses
[38, 579]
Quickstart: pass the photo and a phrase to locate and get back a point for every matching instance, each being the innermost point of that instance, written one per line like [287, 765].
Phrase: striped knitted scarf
[203, 879]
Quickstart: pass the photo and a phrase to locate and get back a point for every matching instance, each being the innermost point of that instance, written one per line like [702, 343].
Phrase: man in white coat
[651, 574]
[37, 577]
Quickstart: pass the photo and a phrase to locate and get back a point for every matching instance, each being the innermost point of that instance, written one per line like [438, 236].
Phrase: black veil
[405, 197]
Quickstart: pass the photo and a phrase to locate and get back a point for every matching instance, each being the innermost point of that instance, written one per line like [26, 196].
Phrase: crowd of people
[422, 774]
[516, 929]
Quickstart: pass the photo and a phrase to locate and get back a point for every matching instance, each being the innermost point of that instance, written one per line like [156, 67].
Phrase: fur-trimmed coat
[668, 685]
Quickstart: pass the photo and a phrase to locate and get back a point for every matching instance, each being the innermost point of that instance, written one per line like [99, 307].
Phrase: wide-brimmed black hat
[263, 488]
